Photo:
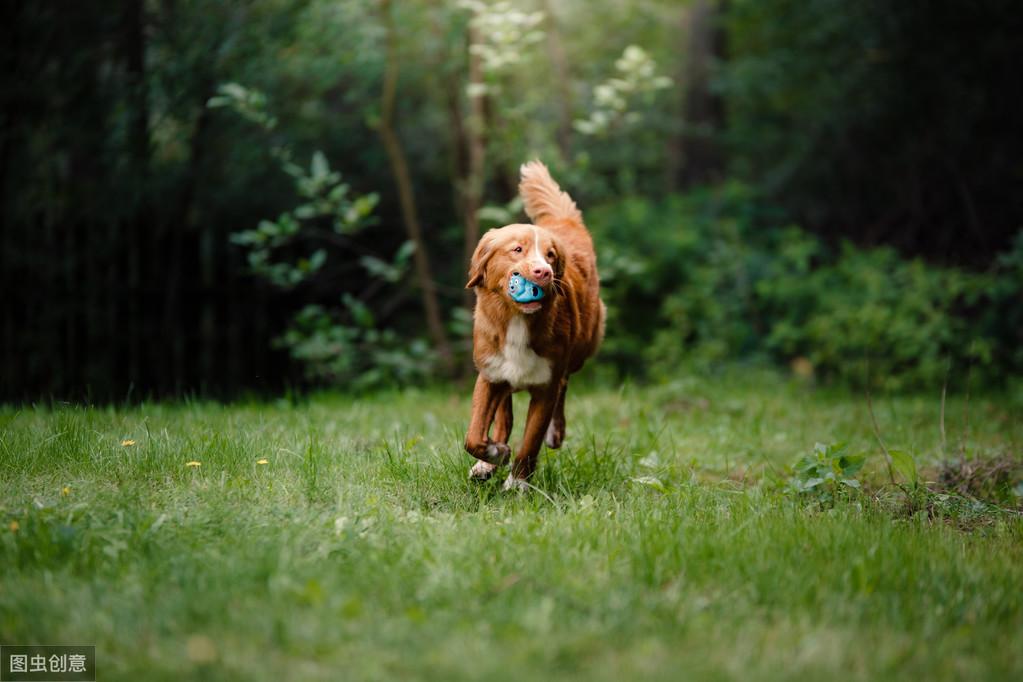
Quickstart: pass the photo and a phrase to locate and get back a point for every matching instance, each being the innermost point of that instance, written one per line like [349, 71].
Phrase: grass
[664, 545]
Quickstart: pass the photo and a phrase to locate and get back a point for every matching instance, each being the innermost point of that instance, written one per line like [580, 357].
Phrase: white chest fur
[516, 363]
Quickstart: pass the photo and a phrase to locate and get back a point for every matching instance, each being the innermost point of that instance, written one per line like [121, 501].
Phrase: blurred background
[202, 197]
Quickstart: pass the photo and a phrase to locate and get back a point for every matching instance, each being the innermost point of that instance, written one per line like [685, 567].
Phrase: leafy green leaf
[378, 268]
[319, 167]
[234, 90]
[365, 204]
[360, 312]
[904, 465]
[498, 215]
[317, 260]
[850, 464]
[651, 481]
[339, 192]
[404, 252]
[294, 170]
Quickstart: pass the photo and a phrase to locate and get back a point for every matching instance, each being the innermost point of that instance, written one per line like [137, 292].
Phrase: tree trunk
[562, 82]
[703, 110]
[477, 153]
[406, 196]
[674, 147]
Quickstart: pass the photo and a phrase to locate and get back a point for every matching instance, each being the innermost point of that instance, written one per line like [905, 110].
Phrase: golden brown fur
[537, 346]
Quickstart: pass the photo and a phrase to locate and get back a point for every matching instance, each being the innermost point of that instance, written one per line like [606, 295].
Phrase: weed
[827, 473]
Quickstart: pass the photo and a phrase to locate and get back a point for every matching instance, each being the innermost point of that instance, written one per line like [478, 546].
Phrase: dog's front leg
[504, 420]
[481, 470]
[486, 398]
[541, 407]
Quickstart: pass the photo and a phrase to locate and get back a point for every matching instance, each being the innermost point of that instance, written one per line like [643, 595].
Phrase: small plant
[827, 472]
[336, 340]
[275, 246]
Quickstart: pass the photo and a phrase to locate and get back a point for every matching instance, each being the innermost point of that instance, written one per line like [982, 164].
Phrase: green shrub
[908, 320]
[700, 279]
[662, 266]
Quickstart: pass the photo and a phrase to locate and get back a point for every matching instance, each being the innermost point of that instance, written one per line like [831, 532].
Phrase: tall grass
[663, 545]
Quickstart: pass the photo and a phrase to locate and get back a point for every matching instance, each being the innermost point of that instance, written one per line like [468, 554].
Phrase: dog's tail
[543, 199]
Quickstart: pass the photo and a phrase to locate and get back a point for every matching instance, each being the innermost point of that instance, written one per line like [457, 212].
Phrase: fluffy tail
[543, 199]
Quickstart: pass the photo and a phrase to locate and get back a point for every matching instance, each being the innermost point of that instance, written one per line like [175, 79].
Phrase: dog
[538, 318]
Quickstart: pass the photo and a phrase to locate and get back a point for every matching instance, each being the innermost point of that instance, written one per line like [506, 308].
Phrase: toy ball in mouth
[522, 290]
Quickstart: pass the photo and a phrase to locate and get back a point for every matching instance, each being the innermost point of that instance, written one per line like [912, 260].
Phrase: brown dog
[531, 346]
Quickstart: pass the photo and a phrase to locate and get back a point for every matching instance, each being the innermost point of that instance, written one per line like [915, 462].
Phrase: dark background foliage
[739, 219]
[889, 123]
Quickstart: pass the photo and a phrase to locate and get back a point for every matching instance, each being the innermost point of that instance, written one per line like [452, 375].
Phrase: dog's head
[529, 251]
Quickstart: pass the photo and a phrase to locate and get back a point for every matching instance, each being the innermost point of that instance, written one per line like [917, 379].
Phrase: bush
[359, 355]
[908, 320]
[700, 279]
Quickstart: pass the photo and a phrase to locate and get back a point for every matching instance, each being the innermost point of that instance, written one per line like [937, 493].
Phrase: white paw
[481, 471]
[553, 437]
[512, 483]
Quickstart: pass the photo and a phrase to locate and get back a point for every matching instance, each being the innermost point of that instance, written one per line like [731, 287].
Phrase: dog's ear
[480, 258]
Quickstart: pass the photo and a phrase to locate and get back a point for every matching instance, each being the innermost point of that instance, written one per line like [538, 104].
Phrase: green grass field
[662, 546]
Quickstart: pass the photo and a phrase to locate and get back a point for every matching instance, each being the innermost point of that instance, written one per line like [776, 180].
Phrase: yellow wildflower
[264, 460]
[193, 464]
[127, 443]
[65, 491]
[201, 649]
[14, 526]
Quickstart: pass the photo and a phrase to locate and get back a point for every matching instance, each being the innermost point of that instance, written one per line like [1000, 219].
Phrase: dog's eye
[518, 249]
[550, 254]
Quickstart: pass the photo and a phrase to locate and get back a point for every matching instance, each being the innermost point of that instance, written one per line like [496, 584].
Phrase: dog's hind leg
[541, 409]
[556, 428]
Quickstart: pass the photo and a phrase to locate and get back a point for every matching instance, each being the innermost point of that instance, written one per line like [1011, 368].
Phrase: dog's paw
[497, 453]
[489, 451]
[517, 484]
[481, 471]
[555, 435]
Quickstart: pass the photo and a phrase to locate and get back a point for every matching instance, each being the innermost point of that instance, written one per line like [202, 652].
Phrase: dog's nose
[541, 273]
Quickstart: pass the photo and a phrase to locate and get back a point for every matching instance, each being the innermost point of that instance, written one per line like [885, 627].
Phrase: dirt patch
[995, 480]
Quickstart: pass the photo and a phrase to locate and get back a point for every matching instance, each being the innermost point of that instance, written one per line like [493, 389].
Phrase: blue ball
[523, 291]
